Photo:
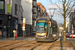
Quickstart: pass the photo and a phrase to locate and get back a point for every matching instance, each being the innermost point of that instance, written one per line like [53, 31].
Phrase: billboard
[9, 8]
[2, 9]
[23, 26]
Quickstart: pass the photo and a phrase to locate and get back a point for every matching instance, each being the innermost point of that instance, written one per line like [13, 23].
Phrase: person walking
[0, 34]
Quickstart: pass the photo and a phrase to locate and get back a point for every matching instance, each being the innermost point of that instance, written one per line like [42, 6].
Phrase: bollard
[72, 35]
[14, 34]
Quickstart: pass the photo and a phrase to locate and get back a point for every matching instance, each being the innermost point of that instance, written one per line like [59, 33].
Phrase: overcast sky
[48, 5]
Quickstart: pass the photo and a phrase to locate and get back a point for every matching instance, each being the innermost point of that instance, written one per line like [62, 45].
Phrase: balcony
[34, 10]
[34, 3]
[34, 16]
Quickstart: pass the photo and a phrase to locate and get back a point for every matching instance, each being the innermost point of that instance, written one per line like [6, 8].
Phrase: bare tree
[67, 7]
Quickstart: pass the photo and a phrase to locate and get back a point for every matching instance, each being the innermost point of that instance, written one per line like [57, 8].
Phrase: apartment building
[41, 10]
[34, 15]
[10, 17]
[72, 22]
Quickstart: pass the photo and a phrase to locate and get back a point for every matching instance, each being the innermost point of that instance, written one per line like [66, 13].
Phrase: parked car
[72, 35]
[68, 34]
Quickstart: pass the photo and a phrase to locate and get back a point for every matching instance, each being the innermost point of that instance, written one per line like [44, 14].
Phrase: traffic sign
[72, 31]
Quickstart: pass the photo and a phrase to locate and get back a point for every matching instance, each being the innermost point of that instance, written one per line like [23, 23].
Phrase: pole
[14, 31]
[23, 33]
[23, 27]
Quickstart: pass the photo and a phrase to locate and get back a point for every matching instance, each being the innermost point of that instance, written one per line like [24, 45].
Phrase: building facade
[11, 17]
[27, 14]
[67, 27]
[41, 11]
[72, 22]
[34, 15]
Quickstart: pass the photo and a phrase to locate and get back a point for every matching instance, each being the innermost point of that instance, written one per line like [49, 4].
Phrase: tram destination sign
[41, 20]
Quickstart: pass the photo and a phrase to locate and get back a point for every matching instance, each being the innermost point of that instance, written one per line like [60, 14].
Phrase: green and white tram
[46, 30]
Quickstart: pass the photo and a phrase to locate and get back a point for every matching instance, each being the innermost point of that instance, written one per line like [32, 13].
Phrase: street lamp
[52, 11]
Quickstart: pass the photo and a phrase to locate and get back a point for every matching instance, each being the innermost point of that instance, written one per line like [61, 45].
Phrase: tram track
[7, 44]
[50, 46]
[44, 46]
[9, 47]
[36, 46]
[21, 45]
[28, 45]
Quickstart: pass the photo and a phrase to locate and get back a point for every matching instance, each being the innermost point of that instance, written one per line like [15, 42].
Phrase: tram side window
[54, 28]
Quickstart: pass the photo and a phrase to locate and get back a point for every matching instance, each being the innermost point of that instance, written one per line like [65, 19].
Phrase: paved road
[24, 45]
[28, 44]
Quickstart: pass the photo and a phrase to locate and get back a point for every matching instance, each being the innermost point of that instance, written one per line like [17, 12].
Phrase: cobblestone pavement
[24, 45]
[29, 43]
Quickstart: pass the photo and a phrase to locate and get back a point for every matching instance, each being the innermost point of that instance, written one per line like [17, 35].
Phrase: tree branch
[70, 10]
[68, 6]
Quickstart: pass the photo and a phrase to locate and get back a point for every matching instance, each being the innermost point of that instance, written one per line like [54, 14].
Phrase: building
[27, 14]
[67, 27]
[61, 31]
[34, 15]
[10, 17]
[3, 18]
[72, 22]
[41, 11]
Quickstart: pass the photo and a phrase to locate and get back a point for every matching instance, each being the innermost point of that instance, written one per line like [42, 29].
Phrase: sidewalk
[63, 45]
[58, 45]
[18, 38]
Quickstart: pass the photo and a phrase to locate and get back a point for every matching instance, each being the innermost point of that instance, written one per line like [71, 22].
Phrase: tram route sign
[41, 20]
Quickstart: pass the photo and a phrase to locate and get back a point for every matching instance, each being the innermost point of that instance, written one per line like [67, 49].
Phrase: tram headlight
[54, 35]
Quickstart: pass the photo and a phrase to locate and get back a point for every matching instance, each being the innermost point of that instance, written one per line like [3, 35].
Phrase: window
[41, 27]
[0, 22]
[19, 7]
[16, 9]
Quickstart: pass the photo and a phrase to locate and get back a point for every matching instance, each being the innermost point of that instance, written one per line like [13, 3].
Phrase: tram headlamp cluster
[41, 34]
[54, 35]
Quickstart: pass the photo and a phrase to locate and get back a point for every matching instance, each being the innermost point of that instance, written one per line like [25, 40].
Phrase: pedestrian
[0, 34]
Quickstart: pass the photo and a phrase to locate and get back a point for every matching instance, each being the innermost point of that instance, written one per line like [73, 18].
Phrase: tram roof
[43, 19]
[53, 21]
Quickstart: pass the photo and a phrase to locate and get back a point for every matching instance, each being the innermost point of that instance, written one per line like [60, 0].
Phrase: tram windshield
[41, 27]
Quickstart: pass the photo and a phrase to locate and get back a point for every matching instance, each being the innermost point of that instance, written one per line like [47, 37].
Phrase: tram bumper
[43, 39]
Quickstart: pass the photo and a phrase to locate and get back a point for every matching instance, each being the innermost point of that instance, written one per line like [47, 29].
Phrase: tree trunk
[64, 36]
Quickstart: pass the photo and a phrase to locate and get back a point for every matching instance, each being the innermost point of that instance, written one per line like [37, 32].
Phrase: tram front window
[41, 27]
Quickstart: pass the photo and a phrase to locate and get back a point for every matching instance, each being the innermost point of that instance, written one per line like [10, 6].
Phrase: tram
[46, 30]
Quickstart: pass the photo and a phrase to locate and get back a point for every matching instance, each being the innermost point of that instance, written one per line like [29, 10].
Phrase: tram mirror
[45, 29]
[50, 24]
